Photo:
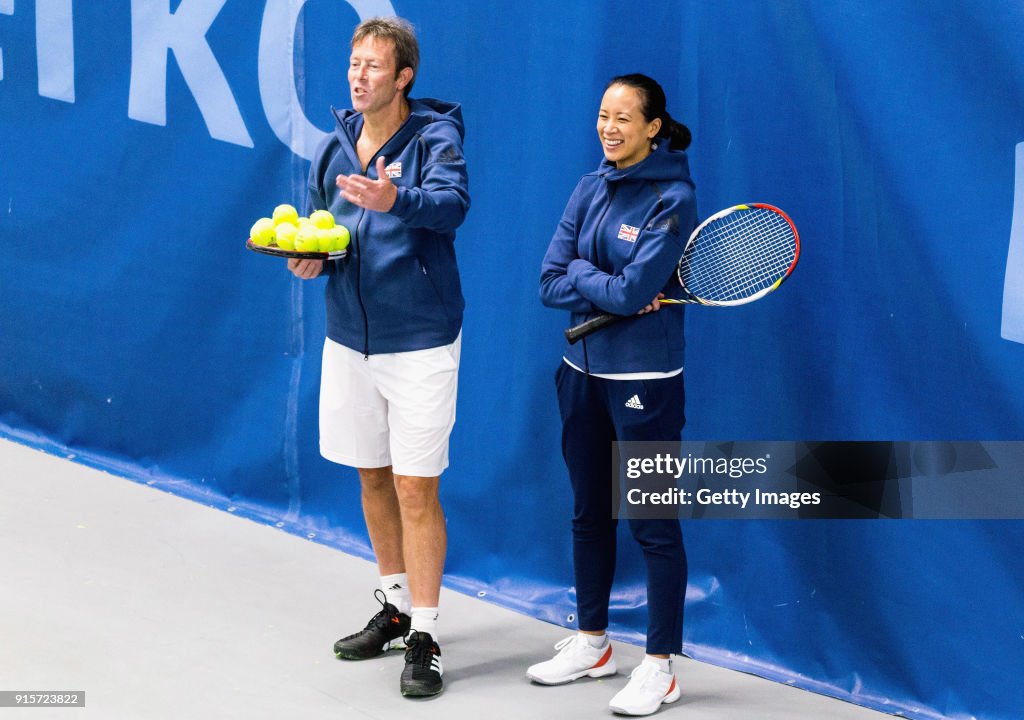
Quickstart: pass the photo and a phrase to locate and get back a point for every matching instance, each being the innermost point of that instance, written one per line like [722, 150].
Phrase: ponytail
[677, 134]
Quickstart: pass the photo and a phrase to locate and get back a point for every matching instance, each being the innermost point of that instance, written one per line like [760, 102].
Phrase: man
[393, 172]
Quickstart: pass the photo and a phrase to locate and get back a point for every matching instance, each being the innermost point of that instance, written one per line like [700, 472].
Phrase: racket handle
[590, 326]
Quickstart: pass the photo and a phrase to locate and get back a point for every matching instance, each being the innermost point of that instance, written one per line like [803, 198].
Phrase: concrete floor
[159, 607]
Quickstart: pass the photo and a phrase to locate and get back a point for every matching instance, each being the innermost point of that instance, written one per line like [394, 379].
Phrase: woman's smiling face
[624, 132]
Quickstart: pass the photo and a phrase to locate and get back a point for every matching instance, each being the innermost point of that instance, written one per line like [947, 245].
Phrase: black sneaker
[375, 639]
[422, 674]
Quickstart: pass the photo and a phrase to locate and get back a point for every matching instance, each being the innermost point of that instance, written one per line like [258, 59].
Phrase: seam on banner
[290, 447]
[1013, 284]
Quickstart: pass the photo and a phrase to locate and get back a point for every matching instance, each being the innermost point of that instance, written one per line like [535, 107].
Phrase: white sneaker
[648, 688]
[576, 657]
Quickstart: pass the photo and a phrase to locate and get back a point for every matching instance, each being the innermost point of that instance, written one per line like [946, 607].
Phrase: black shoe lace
[383, 618]
[418, 652]
[387, 610]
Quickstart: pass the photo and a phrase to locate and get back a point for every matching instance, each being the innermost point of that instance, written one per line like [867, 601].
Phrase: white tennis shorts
[394, 409]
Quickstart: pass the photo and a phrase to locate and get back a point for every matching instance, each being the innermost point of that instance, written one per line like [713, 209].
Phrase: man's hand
[378, 195]
[305, 269]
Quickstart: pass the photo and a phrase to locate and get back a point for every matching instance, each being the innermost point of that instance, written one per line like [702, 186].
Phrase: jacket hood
[662, 164]
[422, 112]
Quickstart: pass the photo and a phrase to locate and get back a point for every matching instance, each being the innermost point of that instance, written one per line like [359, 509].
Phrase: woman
[615, 250]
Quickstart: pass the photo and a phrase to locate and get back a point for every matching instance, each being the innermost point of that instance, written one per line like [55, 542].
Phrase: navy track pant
[595, 413]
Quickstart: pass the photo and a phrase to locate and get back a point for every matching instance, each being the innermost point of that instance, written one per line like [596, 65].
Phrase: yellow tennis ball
[325, 239]
[262, 232]
[285, 213]
[306, 239]
[341, 237]
[322, 219]
[286, 233]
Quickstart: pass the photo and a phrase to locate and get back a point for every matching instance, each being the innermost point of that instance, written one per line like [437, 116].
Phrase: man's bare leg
[384, 525]
[424, 536]
[383, 518]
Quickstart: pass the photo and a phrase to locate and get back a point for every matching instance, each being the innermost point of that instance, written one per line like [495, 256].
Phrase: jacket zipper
[359, 291]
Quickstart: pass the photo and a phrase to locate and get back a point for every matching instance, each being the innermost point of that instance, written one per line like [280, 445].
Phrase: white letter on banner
[6, 8]
[55, 49]
[277, 71]
[155, 30]
[1013, 289]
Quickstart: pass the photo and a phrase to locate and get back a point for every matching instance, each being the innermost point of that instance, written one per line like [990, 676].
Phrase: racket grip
[590, 326]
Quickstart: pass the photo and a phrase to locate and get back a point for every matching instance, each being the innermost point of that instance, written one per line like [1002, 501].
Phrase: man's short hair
[398, 31]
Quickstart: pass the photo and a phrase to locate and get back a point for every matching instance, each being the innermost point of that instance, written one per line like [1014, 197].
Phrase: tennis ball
[322, 219]
[325, 239]
[262, 232]
[286, 233]
[285, 213]
[341, 237]
[306, 239]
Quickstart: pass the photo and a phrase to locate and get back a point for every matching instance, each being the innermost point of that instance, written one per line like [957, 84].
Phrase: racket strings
[738, 256]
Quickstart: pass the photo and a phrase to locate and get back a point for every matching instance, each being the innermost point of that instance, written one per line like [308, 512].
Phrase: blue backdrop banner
[139, 140]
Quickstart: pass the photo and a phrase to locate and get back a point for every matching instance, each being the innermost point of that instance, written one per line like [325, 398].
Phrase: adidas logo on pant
[634, 403]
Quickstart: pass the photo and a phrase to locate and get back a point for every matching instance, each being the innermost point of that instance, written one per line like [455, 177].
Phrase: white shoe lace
[644, 676]
[574, 645]
[566, 645]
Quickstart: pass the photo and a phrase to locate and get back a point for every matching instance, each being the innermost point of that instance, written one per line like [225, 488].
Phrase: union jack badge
[628, 232]
[394, 170]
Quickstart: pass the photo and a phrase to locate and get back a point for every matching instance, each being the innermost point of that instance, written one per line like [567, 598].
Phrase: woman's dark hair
[652, 105]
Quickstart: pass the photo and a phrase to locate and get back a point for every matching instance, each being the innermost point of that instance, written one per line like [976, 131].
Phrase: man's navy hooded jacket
[399, 288]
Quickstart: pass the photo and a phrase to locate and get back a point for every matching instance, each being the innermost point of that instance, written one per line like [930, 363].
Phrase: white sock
[424, 619]
[596, 641]
[664, 664]
[396, 588]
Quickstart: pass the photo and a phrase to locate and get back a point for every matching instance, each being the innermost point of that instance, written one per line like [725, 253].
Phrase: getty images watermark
[666, 466]
[818, 480]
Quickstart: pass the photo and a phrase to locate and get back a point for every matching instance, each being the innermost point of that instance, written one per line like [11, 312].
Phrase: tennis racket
[296, 254]
[736, 256]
